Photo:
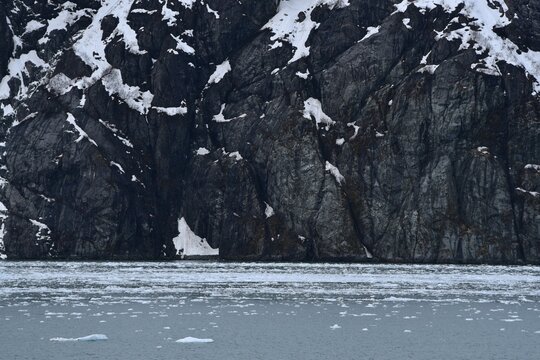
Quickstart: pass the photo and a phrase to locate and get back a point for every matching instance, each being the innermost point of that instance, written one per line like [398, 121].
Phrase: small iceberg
[335, 326]
[93, 337]
[190, 339]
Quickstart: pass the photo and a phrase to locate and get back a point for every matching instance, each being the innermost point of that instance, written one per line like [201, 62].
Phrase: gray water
[268, 311]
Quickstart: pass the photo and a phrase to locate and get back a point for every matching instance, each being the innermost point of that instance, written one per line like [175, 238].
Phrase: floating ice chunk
[221, 70]
[93, 337]
[335, 327]
[370, 32]
[335, 172]
[190, 339]
[187, 243]
[313, 108]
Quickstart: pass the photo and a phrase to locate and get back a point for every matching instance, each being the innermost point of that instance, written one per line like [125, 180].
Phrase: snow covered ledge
[189, 245]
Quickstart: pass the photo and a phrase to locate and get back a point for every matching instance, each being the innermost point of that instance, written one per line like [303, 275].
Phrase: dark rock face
[292, 130]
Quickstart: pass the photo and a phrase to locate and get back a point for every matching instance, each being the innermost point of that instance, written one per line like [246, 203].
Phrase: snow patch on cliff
[286, 25]
[335, 172]
[187, 243]
[220, 72]
[484, 17]
[313, 108]
[17, 69]
[82, 134]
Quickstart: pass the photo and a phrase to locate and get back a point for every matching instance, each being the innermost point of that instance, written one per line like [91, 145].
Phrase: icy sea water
[267, 311]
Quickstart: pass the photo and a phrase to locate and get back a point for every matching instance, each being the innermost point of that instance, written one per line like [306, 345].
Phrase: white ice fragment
[313, 108]
[190, 339]
[268, 211]
[221, 70]
[370, 32]
[335, 327]
[335, 172]
[93, 337]
[187, 243]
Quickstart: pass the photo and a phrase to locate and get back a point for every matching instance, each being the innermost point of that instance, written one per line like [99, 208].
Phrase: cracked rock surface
[350, 130]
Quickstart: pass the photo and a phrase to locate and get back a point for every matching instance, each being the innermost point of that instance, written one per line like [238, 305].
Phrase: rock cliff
[273, 130]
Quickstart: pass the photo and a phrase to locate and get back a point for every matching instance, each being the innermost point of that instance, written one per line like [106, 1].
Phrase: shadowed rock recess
[403, 131]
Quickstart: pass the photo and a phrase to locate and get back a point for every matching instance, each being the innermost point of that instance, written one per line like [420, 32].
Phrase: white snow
[285, 26]
[183, 46]
[43, 232]
[340, 141]
[313, 108]
[168, 14]
[406, 22]
[65, 18]
[190, 339]
[172, 111]
[17, 70]
[303, 75]
[484, 17]
[335, 172]
[93, 337]
[202, 151]
[131, 95]
[236, 155]
[116, 133]
[532, 167]
[268, 211]
[187, 243]
[430, 69]
[118, 166]
[220, 72]
[221, 118]
[370, 32]
[32, 26]
[215, 13]
[82, 134]
[3, 217]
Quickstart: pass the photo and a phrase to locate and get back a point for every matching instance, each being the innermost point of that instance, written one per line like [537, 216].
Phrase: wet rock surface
[296, 130]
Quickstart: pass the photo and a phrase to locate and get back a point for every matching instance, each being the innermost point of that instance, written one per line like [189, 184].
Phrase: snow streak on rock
[286, 25]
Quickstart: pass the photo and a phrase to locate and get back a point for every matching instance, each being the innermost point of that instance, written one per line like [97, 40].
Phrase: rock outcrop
[403, 131]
